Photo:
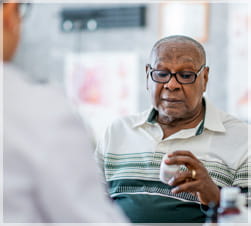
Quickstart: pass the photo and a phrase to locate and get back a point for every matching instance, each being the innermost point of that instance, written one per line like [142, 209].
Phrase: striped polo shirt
[132, 149]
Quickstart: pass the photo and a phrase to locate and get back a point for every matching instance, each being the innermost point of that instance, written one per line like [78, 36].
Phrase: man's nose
[172, 84]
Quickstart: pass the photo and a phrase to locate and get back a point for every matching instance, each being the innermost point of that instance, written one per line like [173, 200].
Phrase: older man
[210, 146]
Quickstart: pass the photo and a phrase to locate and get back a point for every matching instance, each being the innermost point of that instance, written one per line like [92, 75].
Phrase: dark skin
[11, 29]
[180, 107]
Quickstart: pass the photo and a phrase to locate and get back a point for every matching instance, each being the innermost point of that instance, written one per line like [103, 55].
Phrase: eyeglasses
[182, 77]
[24, 9]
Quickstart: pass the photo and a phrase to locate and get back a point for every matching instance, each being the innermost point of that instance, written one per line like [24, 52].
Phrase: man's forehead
[177, 51]
[177, 48]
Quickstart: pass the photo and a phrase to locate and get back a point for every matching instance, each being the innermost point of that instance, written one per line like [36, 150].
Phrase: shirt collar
[147, 116]
[212, 119]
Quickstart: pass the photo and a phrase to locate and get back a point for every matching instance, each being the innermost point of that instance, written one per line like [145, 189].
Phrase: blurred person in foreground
[50, 174]
[209, 146]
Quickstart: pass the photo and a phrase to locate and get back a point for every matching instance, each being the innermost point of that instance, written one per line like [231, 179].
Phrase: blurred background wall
[45, 48]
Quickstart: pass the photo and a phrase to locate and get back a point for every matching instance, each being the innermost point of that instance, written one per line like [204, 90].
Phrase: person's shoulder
[129, 121]
[236, 130]
[232, 122]
[228, 121]
[123, 127]
[27, 96]
[31, 104]
[43, 112]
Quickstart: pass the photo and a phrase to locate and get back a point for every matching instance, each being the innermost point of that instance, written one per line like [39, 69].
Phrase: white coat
[50, 174]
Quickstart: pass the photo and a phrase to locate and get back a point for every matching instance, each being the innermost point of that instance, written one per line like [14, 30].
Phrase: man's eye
[186, 75]
[162, 74]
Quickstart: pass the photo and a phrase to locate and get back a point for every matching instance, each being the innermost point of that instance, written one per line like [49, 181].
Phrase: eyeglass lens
[183, 77]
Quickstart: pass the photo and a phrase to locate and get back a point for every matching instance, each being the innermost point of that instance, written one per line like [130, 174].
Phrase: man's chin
[171, 113]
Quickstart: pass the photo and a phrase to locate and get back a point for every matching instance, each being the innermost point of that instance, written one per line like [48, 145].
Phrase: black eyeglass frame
[196, 74]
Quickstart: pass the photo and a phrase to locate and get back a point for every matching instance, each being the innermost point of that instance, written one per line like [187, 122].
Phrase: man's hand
[195, 180]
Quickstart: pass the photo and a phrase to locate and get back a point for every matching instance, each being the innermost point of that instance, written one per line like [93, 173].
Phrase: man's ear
[147, 75]
[10, 16]
[205, 78]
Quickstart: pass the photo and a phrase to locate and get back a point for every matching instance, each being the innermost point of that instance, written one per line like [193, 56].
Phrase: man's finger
[182, 160]
[182, 152]
[192, 186]
[179, 178]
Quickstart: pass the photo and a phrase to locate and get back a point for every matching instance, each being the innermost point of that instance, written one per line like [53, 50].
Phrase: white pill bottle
[167, 171]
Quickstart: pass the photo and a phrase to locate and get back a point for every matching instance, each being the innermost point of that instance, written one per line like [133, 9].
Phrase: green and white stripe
[146, 166]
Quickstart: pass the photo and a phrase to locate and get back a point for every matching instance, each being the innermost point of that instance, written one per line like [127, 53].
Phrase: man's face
[11, 29]
[174, 100]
